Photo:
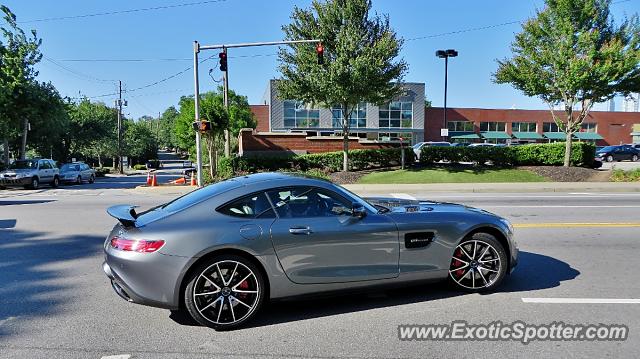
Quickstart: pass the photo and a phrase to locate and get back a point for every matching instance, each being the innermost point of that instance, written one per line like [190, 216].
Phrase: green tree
[139, 141]
[572, 54]
[360, 63]
[18, 55]
[92, 130]
[166, 136]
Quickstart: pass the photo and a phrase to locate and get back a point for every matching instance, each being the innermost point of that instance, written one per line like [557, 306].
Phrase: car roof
[274, 176]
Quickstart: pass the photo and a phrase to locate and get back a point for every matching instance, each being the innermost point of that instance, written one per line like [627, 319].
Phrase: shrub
[139, 167]
[547, 154]
[626, 176]
[101, 171]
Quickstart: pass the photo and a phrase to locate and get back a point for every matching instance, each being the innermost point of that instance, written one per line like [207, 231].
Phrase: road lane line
[119, 356]
[581, 300]
[403, 196]
[574, 225]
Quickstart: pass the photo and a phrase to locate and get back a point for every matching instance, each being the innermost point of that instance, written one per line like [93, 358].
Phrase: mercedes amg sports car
[221, 251]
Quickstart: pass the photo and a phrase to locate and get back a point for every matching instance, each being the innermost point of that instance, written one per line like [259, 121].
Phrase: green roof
[469, 136]
[527, 135]
[555, 135]
[495, 135]
[587, 136]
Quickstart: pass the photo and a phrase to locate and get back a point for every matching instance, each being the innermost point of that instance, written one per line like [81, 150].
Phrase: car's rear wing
[124, 213]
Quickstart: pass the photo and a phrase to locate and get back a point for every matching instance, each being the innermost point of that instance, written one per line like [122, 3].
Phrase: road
[55, 302]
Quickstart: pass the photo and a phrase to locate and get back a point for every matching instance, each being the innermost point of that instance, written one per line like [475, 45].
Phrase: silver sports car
[219, 252]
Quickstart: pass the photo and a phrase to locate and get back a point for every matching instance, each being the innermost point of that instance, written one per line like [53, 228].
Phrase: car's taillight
[136, 245]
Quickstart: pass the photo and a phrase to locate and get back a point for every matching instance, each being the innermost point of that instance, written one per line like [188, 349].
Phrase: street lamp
[446, 54]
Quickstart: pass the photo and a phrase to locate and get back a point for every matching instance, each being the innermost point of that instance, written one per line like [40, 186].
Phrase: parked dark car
[618, 153]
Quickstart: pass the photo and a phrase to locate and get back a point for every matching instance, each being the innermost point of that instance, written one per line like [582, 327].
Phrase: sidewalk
[533, 187]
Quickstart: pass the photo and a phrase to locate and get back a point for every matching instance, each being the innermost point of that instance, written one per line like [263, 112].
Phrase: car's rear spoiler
[124, 213]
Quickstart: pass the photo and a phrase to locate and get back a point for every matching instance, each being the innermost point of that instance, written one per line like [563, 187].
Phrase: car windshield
[22, 165]
[607, 149]
[69, 167]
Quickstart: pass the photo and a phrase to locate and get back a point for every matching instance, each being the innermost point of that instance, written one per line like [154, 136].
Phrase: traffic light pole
[196, 49]
[120, 167]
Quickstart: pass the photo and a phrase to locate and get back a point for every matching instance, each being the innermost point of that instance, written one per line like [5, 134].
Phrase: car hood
[400, 205]
[17, 171]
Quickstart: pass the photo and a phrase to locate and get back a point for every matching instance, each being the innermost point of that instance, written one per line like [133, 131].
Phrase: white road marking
[581, 300]
[119, 356]
[403, 196]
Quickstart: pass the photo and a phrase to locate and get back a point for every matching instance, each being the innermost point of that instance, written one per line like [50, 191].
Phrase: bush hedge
[547, 154]
[139, 167]
[330, 161]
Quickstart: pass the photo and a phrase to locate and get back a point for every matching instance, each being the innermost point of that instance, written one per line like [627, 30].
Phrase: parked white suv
[30, 174]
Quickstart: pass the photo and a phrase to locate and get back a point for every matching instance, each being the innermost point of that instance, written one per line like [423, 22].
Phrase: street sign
[444, 132]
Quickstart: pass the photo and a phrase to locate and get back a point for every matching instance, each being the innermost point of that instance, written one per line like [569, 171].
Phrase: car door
[44, 171]
[84, 171]
[317, 240]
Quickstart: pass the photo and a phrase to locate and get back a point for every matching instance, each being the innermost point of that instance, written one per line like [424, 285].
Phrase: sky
[128, 42]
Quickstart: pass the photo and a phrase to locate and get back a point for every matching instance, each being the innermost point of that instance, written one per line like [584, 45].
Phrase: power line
[77, 73]
[106, 13]
[159, 59]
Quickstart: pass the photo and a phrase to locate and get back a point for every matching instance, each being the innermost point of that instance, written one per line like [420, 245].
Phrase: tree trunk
[23, 147]
[345, 138]
[6, 151]
[114, 162]
[210, 150]
[99, 161]
[567, 149]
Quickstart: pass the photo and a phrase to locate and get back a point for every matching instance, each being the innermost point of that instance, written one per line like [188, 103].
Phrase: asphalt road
[55, 302]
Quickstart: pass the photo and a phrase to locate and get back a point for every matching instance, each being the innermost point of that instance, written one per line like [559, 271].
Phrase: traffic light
[205, 126]
[223, 61]
[320, 52]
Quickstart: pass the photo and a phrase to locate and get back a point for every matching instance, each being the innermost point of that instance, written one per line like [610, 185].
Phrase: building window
[358, 117]
[588, 127]
[460, 126]
[396, 115]
[523, 126]
[550, 127]
[393, 136]
[299, 115]
[492, 126]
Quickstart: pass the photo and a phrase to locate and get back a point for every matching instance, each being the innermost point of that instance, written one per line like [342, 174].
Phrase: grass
[451, 175]
[626, 176]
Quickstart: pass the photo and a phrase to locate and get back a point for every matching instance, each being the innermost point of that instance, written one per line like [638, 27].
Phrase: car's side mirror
[358, 210]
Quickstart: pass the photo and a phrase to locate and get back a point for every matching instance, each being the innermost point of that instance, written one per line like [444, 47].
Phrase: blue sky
[163, 39]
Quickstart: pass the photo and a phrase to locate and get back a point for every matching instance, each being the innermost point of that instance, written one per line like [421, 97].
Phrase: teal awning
[527, 135]
[587, 136]
[495, 135]
[469, 136]
[555, 135]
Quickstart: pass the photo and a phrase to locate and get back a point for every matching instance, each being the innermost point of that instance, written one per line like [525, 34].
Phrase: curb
[499, 187]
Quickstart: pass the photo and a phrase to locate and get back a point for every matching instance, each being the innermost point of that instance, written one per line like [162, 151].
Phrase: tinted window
[200, 195]
[252, 206]
[25, 164]
[45, 165]
[297, 202]
[85, 167]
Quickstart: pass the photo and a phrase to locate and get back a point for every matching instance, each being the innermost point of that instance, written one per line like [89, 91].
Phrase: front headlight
[20, 175]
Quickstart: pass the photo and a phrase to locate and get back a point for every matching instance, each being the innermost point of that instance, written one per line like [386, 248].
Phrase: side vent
[418, 239]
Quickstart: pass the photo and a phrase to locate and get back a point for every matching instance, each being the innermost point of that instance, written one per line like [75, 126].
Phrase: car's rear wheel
[478, 264]
[92, 179]
[225, 292]
[609, 158]
[79, 180]
[56, 182]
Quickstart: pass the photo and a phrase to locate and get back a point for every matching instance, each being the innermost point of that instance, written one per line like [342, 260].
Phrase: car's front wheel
[478, 264]
[609, 158]
[225, 292]
[35, 183]
[634, 158]
[92, 179]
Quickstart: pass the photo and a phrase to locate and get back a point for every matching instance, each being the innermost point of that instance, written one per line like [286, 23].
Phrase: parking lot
[55, 302]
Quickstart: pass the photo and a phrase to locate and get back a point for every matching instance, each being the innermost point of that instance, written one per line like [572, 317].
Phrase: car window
[298, 202]
[85, 167]
[253, 206]
[27, 164]
[45, 165]
[199, 195]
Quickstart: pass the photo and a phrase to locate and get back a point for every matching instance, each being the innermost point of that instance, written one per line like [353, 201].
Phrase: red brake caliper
[457, 263]
[243, 286]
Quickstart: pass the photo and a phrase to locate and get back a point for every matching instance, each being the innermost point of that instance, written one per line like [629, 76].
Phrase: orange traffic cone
[154, 181]
[193, 180]
[180, 180]
[148, 178]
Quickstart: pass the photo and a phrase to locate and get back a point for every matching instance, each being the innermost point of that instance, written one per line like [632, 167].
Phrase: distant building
[630, 103]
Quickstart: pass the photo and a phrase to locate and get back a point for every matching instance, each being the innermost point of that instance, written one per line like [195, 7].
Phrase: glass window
[394, 136]
[252, 206]
[24, 164]
[300, 202]
[550, 127]
[462, 126]
[45, 165]
[299, 115]
[492, 126]
[523, 127]
[396, 114]
[357, 118]
[588, 127]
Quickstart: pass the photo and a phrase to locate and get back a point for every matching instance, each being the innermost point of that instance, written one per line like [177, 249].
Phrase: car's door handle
[300, 230]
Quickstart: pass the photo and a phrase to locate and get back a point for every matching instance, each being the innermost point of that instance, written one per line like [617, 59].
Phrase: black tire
[219, 302]
[634, 158]
[35, 183]
[495, 266]
[609, 158]
[3, 187]
[79, 180]
[56, 182]
[92, 179]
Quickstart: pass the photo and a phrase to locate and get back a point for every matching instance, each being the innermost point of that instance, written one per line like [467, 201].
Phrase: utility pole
[225, 87]
[119, 106]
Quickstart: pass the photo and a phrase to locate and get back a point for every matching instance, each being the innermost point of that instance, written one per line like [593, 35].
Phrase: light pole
[446, 54]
